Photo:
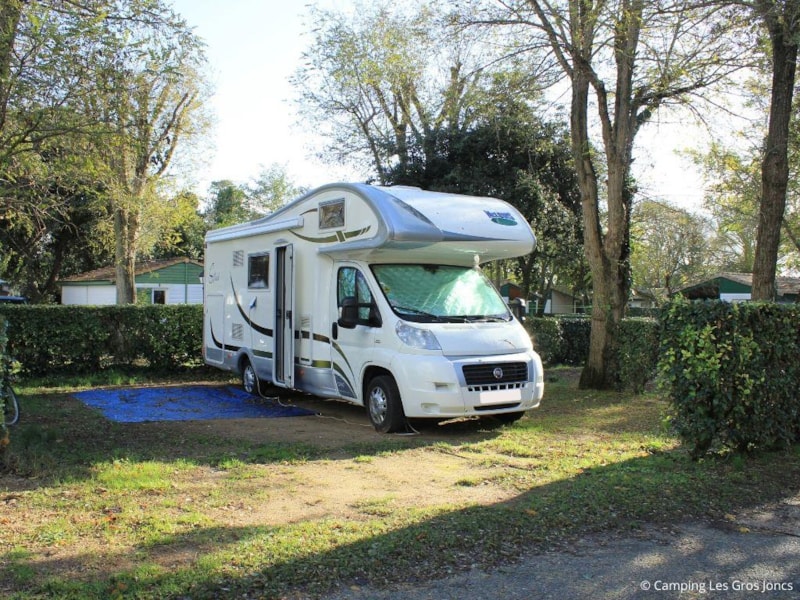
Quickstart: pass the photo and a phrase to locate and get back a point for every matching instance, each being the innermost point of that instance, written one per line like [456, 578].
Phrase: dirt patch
[335, 424]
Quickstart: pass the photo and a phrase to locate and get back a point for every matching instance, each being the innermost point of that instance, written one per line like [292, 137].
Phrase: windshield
[440, 293]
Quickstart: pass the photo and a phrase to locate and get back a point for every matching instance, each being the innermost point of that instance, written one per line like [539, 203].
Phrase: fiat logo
[498, 373]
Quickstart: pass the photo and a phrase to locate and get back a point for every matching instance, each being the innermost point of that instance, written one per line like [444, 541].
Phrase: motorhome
[375, 296]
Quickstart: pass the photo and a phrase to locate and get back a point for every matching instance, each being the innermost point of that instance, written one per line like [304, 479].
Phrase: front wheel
[10, 406]
[249, 378]
[384, 405]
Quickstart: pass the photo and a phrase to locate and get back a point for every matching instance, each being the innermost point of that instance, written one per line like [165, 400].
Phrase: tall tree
[511, 153]
[733, 188]
[228, 204]
[385, 83]
[782, 21]
[626, 59]
[149, 90]
[104, 83]
[184, 230]
[669, 246]
[271, 189]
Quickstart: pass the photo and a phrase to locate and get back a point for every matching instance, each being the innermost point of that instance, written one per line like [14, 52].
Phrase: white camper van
[374, 295]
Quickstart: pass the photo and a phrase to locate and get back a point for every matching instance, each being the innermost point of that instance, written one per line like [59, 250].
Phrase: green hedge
[731, 372]
[565, 341]
[560, 340]
[47, 339]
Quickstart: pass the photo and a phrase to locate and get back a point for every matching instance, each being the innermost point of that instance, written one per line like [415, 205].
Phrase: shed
[171, 281]
[737, 287]
[561, 301]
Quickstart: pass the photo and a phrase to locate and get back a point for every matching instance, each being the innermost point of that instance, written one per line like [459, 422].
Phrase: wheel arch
[370, 373]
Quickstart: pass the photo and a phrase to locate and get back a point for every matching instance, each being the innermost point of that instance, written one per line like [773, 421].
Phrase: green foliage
[47, 339]
[565, 341]
[669, 246]
[560, 340]
[731, 373]
[546, 335]
[638, 352]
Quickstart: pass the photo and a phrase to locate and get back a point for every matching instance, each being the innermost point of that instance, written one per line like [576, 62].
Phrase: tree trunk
[10, 13]
[124, 259]
[775, 164]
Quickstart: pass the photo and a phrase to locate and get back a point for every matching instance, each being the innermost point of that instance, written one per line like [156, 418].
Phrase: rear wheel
[384, 405]
[249, 378]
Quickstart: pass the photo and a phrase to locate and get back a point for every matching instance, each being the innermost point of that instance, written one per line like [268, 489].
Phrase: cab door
[353, 343]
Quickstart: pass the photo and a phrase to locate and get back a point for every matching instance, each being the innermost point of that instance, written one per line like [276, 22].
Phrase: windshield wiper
[417, 312]
[485, 319]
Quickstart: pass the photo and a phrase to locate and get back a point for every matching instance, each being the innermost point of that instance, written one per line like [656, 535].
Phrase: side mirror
[349, 316]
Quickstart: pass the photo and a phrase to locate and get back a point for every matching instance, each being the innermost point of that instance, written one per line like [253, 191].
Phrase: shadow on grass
[62, 439]
[310, 559]
[408, 545]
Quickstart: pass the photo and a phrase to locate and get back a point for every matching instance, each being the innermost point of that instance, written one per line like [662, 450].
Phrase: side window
[351, 283]
[257, 271]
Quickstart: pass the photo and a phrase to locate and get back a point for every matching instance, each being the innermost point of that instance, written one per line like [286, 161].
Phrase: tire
[384, 406]
[249, 378]
[10, 406]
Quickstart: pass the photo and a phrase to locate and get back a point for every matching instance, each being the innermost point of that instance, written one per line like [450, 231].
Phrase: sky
[254, 46]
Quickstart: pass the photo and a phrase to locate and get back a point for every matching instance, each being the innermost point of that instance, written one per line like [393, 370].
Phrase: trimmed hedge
[731, 372]
[565, 341]
[560, 340]
[47, 339]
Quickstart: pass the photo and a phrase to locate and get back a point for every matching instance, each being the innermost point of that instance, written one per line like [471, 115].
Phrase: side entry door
[283, 335]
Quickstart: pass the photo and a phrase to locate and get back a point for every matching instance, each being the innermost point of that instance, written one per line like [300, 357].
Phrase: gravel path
[749, 555]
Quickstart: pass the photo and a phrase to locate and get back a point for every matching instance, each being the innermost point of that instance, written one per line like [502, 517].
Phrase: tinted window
[258, 271]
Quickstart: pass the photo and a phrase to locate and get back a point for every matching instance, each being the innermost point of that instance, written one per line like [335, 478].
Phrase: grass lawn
[95, 509]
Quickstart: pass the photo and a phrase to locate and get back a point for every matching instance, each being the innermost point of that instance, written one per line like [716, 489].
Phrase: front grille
[483, 377]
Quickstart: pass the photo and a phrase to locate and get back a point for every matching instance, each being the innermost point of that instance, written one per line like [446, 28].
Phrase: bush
[731, 373]
[560, 340]
[638, 352]
[47, 339]
[565, 341]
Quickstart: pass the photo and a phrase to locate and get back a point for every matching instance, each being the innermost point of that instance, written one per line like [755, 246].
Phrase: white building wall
[88, 294]
[735, 297]
[177, 293]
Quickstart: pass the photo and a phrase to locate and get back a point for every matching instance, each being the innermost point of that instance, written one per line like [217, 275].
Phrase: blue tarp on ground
[184, 403]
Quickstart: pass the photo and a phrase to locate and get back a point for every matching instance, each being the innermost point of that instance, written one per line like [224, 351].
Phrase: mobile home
[374, 295]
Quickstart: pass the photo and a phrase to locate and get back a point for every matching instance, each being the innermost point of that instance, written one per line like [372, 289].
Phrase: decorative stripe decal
[310, 335]
[219, 344]
[259, 328]
[338, 236]
[350, 389]
[342, 354]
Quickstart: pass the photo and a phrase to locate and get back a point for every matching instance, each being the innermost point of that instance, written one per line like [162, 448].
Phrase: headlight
[416, 337]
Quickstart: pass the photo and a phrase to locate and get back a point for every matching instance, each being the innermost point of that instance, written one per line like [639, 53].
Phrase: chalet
[171, 281]
[737, 287]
